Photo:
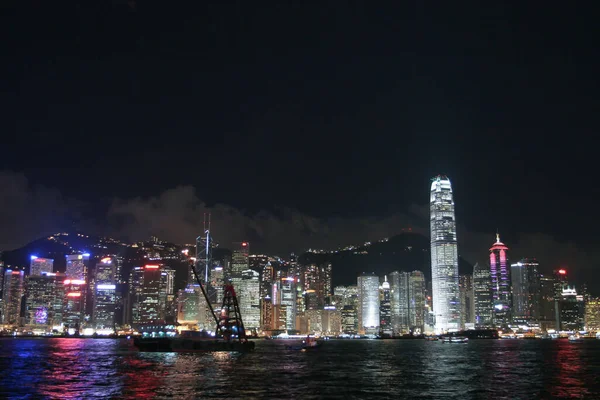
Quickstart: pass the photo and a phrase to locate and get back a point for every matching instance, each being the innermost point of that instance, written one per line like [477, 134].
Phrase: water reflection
[568, 381]
[72, 368]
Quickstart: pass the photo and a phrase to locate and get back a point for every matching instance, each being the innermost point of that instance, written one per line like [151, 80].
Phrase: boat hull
[184, 345]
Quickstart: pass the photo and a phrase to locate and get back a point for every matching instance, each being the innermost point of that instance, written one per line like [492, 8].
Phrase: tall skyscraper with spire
[500, 275]
[444, 256]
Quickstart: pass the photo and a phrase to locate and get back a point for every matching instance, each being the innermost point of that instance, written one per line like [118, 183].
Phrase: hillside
[405, 252]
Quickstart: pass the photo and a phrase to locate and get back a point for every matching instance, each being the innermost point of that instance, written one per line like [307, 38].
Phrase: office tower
[416, 302]
[444, 256]
[266, 314]
[284, 297]
[368, 307]
[132, 309]
[592, 314]
[467, 303]
[12, 294]
[482, 296]
[525, 277]
[240, 260]
[385, 311]
[572, 311]
[500, 275]
[266, 280]
[73, 317]
[149, 302]
[39, 265]
[105, 296]
[349, 319]
[399, 302]
[217, 284]
[39, 299]
[77, 266]
[331, 320]
[560, 282]
[58, 301]
[316, 280]
[167, 294]
[548, 304]
[249, 299]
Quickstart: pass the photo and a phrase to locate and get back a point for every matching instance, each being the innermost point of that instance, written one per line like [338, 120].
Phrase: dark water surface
[340, 369]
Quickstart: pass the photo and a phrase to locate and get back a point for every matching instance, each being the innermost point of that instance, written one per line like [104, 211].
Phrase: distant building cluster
[94, 297]
[513, 297]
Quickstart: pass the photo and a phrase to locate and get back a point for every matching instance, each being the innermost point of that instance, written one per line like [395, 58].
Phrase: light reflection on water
[486, 369]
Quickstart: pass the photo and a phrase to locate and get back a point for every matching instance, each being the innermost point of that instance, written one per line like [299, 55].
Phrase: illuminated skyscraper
[77, 266]
[150, 300]
[444, 256]
[284, 298]
[240, 260]
[39, 295]
[368, 304]
[39, 265]
[74, 304]
[167, 294]
[416, 302]
[467, 303]
[12, 294]
[482, 296]
[385, 312]
[500, 275]
[105, 296]
[592, 314]
[399, 302]
[249, 299]
[317, 285]
[525, 277]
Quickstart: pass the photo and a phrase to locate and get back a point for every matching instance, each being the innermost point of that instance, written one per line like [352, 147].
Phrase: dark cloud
[28, 212]
[177, 215]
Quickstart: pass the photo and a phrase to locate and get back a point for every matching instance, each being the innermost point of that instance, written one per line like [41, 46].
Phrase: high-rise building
[105, 295]
[592, 314]
[572, 311]
[12, 295]
[482, 296]
[548, 305]
[316, 279]
[444, 256]
[39, 299]
[500, 274]
[39, 265]
[385, 311]
[467, 301]
[74, 303]
[284, 297]
[525, 277]
[399, 302]
[249, 299]
[77, 266]
[368, 306]
[349, 319]
[266, 314]
[149, 303]
[240, 260]
[167, 294]
[560, 283]
[416, 302]
[331, 320]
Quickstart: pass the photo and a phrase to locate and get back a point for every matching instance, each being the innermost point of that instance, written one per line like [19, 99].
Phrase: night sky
[302, 124]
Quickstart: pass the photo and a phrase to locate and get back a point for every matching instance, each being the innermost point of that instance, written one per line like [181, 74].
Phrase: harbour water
[340, 369]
